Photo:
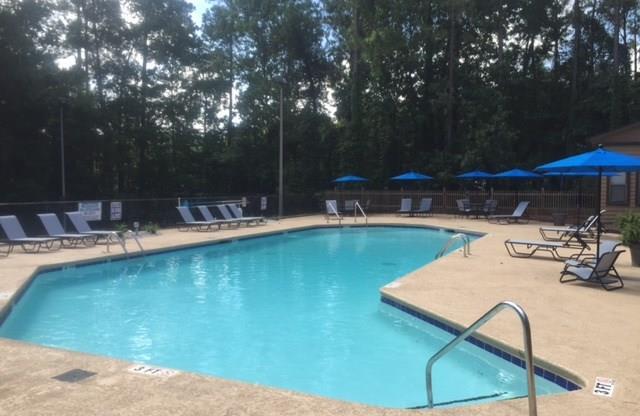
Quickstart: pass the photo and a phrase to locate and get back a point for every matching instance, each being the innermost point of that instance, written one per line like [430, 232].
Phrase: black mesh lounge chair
[464, 207]
[405, 206]
[527, 248]
[602, 272]
[82, 226]
[424, 208]
[54, 228]
[189, 223]
[517, 216]
[587, 230]
[332, 213]
[16, 236]
[208, 217]
[237, 214]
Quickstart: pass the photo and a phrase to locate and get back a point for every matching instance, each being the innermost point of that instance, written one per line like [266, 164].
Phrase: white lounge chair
[602, 272]
[424, 208]
[208, 217]
[606, 246]
[82, 226]
[226, 213]
[332, 213]
[527, 248]
[464, 207]
[16, 236]
[237, 214]
[6, 247]
[405, 206]
[586, 230]
[54, 228]
[189, 223]
[516, 216]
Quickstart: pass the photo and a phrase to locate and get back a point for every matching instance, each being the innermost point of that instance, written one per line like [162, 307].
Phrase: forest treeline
[156, 104]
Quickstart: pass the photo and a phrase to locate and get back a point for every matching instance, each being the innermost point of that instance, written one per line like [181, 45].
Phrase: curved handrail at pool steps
[528, 353]
[542, 368]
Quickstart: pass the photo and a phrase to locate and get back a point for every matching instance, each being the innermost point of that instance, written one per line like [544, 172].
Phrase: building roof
[624, 136]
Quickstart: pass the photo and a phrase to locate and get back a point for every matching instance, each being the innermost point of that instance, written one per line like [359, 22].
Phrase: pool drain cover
[75, 375]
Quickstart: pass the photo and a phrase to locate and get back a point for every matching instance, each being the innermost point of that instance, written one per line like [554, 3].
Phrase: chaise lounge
[189, 223]
[515, 217]
[237, 214]
[602, 272]
[54, 228]
[82, 226]
[527, 248]
[405, 206]
[424, 208]
[332, 213]
[16, 236]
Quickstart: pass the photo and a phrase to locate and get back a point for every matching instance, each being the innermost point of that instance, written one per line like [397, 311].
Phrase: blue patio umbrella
[350, 179]
[475, 175]
[599, 161]
[412, 177]
[517, 174]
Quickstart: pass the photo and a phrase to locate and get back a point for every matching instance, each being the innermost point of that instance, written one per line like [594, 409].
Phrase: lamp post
[281, 83]
[62, 178]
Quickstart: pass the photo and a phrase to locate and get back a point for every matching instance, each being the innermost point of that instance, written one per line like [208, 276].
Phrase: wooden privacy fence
[542, 203]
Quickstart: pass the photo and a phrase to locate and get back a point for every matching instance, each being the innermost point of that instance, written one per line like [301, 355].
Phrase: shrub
[151, 228]
[629, 224]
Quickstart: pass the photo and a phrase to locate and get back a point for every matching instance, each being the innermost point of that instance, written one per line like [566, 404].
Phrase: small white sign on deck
[148, 370]
[603, 386]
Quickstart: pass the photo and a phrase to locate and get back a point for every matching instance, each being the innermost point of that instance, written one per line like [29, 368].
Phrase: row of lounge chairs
[57, 236]
[574, 241]
[232, 216]
[424, 207]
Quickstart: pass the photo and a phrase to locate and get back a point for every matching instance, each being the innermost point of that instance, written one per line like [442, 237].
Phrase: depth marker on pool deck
[152, 371]
[603, 386]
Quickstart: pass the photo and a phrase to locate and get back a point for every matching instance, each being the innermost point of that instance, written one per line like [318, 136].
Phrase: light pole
[281, 83]
[64, 190]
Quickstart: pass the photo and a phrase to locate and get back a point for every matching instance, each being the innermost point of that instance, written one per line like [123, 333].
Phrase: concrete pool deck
[579, 328]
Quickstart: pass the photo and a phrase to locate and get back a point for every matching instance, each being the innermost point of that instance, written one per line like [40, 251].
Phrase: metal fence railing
[542, 203]
[160, 211]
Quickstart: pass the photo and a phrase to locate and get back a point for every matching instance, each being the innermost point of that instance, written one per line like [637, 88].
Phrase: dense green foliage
[155, 104]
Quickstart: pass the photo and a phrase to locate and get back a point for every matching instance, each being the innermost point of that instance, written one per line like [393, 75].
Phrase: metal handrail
[357, 207]
[135, 237]
[335, 211]
[528, 353]
[466, 249]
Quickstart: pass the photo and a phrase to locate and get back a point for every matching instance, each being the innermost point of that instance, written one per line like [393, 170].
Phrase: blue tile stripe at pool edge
[539, 371]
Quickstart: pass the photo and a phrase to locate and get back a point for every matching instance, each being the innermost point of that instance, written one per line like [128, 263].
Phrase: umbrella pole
[598, 213]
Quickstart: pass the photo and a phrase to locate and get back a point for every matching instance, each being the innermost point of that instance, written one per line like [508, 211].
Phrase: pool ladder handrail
[337, 214]
[466, 250]
[528, 351]
[357, 207]
[121, 241]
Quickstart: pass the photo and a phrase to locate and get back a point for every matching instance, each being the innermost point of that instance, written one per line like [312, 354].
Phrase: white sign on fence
[115, 210]
[91, 210]
[263, 203]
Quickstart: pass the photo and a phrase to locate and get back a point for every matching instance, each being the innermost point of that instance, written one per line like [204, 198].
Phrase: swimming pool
[299, 311]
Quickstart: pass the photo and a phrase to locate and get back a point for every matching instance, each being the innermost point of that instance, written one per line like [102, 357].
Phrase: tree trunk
[575, 62]
[615, 115]
[451, 78]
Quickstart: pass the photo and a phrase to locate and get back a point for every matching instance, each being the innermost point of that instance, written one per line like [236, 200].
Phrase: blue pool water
[299, 311]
